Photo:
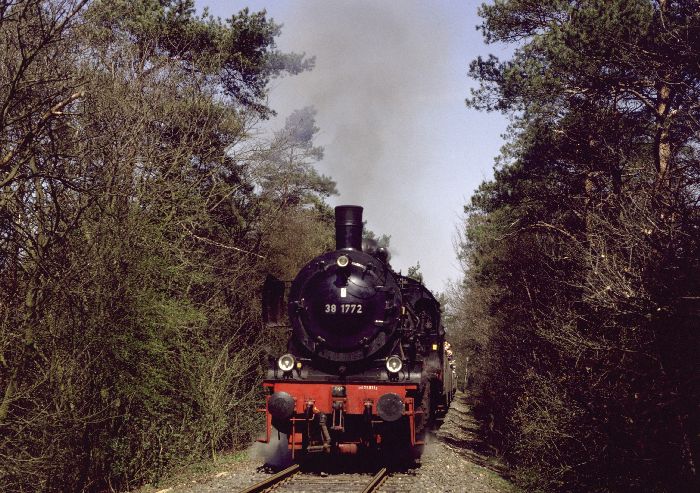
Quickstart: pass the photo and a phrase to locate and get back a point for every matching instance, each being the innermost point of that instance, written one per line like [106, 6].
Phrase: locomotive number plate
[350, 308]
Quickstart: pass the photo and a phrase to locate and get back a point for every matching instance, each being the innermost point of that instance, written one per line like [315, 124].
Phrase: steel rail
[276, 480]
[377, 480]
[272, 480]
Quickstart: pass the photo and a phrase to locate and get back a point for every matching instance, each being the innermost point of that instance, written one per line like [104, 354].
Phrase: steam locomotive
[367, 367]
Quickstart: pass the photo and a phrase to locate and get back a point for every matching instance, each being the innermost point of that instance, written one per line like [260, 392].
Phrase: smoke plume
[379, 70]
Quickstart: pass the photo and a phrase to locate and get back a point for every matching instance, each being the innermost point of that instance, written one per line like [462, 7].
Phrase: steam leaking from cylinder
[276, 453]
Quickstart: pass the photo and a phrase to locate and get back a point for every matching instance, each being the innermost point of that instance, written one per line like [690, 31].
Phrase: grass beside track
[199, 471]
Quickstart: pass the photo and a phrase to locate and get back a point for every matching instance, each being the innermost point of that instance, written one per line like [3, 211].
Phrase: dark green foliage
[582, 252]
[239, 53]
[134, 237]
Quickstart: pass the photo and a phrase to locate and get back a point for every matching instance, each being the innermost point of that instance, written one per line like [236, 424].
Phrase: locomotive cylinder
[348, 227]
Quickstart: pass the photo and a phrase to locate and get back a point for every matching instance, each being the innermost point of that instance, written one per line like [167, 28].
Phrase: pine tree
[586, 242]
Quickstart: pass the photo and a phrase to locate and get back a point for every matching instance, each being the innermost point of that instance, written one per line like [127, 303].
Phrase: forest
[580, 302]
[141, 208]
[139, 213]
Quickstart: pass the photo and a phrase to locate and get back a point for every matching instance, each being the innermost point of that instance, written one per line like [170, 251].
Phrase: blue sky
[389, 87]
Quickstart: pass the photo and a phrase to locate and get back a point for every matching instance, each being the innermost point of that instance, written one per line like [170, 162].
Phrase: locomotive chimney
[348, 227]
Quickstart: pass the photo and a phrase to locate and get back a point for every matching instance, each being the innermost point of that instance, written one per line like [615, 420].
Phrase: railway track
[293, 480]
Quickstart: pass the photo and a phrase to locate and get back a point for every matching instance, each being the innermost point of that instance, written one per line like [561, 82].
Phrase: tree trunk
[664, 96]
[662, 144]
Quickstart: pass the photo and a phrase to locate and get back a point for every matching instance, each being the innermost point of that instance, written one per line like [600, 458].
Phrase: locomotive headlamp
[394, 364]
[286, 362]
[343, 261]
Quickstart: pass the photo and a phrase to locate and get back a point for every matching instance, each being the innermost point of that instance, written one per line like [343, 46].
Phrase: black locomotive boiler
[366, 366]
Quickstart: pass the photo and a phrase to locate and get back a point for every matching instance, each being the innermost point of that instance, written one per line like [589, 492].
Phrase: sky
[389, 87]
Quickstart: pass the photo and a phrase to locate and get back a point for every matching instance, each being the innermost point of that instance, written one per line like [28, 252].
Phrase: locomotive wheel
[422, 420]
[396, 443]
[423, 405]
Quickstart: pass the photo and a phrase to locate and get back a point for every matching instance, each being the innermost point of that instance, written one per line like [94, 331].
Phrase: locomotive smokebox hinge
[298, 305]
[364, 342]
